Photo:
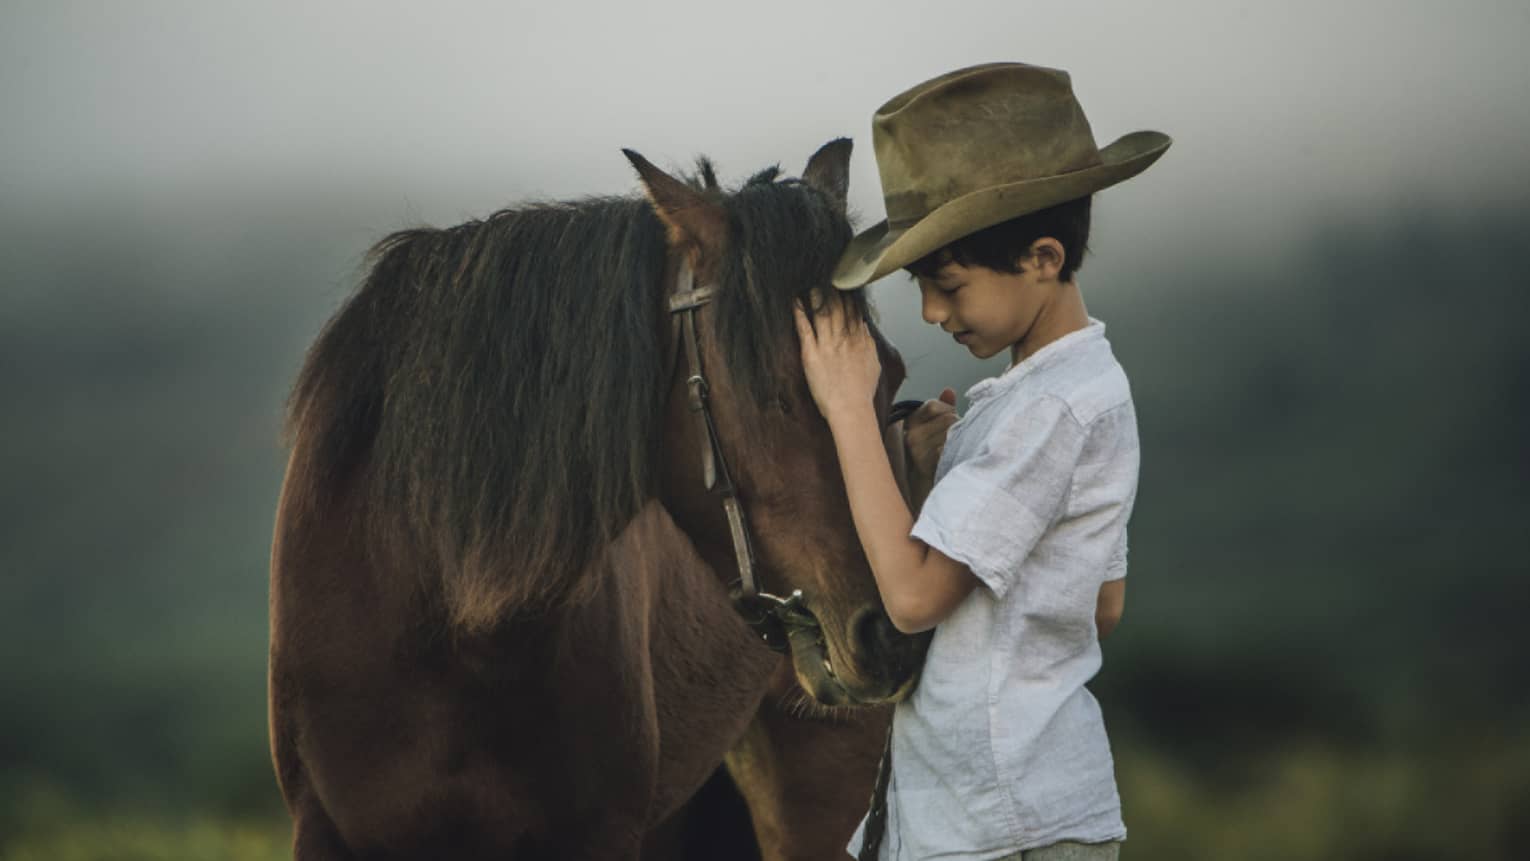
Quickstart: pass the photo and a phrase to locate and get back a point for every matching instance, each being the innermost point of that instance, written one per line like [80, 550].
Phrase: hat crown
[975, 128]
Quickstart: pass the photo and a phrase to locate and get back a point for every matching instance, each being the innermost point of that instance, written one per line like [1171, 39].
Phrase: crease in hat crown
[977, 146]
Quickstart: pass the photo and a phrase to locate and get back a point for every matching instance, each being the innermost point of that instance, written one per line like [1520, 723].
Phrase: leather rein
[777, 620]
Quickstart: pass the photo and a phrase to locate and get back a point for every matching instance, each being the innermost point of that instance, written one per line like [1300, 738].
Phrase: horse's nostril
[874, 631]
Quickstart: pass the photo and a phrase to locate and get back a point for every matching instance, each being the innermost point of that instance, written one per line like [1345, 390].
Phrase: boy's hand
[839, 359]
[924, 435]
[925, 430]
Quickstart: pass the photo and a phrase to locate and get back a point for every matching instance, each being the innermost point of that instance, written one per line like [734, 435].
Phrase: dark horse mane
[502, 380]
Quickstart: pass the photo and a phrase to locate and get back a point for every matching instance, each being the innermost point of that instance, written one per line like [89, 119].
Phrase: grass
[122, 838]
[1314, 801]
[43, 822]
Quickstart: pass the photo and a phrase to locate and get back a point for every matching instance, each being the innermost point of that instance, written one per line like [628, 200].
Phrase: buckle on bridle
[696, 387]
[774, 618]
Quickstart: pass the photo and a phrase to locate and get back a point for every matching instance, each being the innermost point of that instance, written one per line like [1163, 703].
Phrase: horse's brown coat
[403, 726]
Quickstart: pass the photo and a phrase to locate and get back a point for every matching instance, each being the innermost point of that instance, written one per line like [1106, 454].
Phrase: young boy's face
[985, 310]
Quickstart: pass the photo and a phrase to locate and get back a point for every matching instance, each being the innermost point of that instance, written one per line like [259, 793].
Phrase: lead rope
[876, 818]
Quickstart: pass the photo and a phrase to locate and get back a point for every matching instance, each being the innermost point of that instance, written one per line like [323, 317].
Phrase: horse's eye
[784, 404]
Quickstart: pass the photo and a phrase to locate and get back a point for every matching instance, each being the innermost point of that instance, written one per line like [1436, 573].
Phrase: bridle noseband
[779, 621]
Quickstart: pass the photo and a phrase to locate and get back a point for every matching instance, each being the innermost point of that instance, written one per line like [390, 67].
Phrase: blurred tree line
[1321, 653]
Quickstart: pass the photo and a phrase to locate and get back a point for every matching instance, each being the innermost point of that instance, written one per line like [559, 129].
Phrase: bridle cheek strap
[684, 301]
[777, 620]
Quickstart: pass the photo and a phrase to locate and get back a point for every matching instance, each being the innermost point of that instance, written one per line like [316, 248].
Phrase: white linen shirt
[1001, 748]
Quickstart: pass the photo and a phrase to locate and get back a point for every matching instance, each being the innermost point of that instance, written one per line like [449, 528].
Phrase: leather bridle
[779, 621]
[774, 618]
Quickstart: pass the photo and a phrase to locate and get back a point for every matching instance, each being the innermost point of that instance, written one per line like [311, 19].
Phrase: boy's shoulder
[1079, 370]
[1096, 384]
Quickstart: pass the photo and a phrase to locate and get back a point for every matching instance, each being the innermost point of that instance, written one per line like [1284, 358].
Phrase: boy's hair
[1001, 246]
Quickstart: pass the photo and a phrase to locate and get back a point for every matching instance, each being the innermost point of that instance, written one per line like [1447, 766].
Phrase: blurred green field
[1302, 799]
[1310, 800]
[129, 838]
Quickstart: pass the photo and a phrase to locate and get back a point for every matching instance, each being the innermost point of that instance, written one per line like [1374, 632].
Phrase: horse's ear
[690, 216]
[829, 171]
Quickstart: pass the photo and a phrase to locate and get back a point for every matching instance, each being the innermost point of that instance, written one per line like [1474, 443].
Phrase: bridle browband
[779, 621]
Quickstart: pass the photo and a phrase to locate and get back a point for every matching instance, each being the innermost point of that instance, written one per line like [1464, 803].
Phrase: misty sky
[1284, 98]
[1287, 117]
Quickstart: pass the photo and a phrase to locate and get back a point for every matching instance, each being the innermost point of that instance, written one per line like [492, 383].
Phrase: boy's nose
[933, 310]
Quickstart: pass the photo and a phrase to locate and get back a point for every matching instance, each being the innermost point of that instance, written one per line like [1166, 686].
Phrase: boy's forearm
[882, 519]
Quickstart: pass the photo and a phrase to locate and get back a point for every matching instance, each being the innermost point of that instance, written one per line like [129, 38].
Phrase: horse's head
[767, 245]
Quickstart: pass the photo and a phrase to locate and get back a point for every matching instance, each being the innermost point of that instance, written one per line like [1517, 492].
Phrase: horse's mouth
[848, 685]
[816, 674]
[825, 687]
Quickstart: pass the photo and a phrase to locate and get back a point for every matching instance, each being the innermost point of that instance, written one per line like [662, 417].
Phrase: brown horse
[501, 624]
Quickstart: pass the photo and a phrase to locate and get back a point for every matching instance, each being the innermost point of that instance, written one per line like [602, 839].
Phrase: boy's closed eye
[947, 281]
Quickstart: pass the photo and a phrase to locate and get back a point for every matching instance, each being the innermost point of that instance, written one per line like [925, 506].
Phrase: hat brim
[880, 250]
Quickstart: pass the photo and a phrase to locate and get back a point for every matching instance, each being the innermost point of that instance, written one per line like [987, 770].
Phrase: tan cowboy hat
[975, 147]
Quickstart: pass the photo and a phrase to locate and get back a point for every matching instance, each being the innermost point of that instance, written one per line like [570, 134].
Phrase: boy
[1000, 753]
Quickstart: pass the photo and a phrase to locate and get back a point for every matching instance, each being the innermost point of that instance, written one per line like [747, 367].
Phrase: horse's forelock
[787, 239]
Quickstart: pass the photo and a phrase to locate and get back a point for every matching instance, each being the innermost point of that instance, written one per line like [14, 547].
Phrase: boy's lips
[963, 336]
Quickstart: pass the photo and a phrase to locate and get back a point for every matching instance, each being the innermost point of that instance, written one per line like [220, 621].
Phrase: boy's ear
[692, 220]
[1047, 255]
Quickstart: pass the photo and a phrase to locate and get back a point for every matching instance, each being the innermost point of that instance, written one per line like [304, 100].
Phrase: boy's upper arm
[1109, 606]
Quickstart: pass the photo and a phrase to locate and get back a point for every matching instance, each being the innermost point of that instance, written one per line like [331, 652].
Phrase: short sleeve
[1116, 569]
[988, 510]
[1113, 487]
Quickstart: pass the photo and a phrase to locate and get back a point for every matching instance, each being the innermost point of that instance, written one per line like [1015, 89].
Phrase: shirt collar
[1045, 357]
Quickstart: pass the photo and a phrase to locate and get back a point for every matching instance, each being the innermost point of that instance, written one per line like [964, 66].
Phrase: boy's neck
[1061, 314]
